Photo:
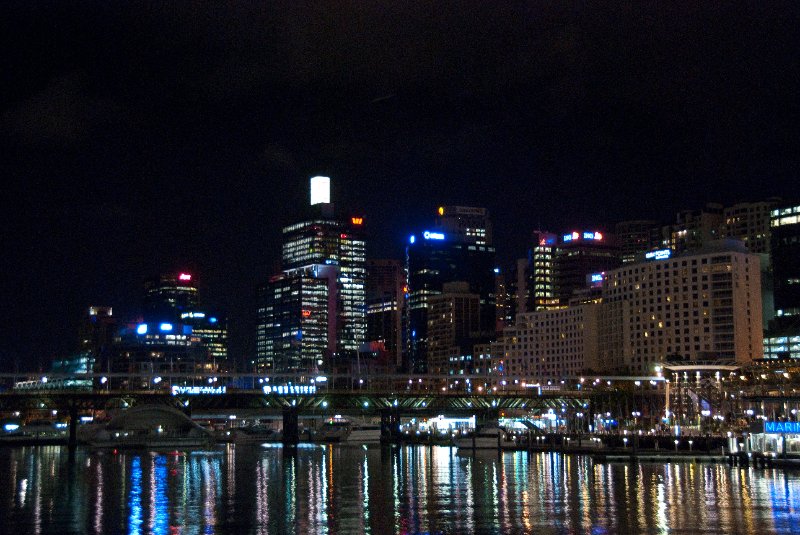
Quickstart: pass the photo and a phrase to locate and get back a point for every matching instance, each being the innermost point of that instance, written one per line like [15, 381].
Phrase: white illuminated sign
[320, 190]
[283, 390]
[178, 390]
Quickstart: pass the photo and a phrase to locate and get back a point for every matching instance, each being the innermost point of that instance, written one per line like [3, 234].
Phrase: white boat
[486, 437]
[348, 431]
[149, 427]
[254, 434]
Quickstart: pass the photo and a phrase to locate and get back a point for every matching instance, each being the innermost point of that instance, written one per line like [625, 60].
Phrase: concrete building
[697, 306]
[553, 344]
[453, 329]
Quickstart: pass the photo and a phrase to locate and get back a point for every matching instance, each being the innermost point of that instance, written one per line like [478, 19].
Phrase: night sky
[139, 138]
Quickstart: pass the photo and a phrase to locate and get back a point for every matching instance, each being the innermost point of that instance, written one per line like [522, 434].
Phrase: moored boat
[149, 427]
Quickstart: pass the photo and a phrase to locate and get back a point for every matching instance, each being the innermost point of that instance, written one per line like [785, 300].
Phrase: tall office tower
[749, 222]
[698, 306]
[97, 332]
[694, 228]
[782, 339]
[292, 323]
[579, 255]
[386, 280]
[324, 247]
[469, 223]
[541, 276]
[453, 328]
[634, 238]
[167, 296]
[210, 331]
[432, 259]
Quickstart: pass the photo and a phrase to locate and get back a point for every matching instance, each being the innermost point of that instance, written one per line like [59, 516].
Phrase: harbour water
[261, 489]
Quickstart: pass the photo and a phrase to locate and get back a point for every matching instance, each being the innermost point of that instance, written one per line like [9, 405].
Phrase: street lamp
[676, 444]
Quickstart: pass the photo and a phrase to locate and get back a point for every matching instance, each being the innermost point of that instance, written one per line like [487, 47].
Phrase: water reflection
[333, 489]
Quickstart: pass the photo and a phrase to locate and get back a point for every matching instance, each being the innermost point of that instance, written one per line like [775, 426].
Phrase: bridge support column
[390, 426]
[291, 429]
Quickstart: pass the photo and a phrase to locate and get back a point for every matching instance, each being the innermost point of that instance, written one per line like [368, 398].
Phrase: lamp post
[676, 444]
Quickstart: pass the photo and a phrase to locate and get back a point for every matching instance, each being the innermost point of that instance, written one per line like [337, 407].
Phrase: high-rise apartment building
[749, 222]
[553, 344]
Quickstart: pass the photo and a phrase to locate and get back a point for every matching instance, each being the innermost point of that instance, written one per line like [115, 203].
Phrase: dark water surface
[353, 489]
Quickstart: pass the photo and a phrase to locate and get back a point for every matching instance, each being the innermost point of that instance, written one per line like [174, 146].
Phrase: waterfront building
[698, 306]
[292, 322]
[549, 345]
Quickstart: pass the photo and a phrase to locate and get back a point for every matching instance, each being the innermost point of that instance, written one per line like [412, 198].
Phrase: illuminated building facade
[698, 306]
[541, 276]
[334, 251]
[550, 345]
[453, 328]
[292, 323]
[782, 340]
[211, 332]
[434, 258]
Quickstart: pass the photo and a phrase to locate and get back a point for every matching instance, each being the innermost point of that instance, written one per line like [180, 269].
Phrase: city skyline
[138, 141]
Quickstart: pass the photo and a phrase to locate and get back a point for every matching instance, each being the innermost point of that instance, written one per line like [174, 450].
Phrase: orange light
[306, 313]
[357, 220]
[441, 210]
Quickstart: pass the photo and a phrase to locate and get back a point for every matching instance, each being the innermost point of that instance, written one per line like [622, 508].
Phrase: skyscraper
[334, 252]
[434, 258]
[386, 281]
[166, 296]
[578, 255]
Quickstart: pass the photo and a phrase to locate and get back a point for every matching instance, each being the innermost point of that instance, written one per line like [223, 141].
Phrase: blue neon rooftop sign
[428, 235]
[661, 254]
